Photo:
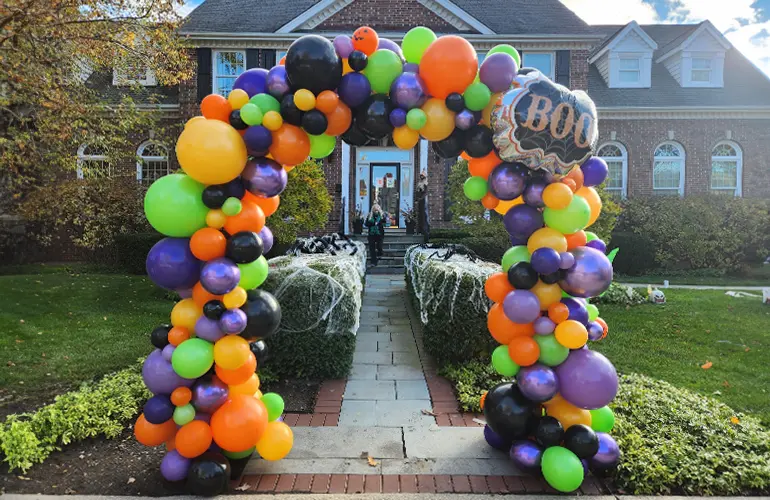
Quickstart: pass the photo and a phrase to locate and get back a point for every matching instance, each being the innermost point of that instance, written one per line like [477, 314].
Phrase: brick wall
[385, 15]
[578, 69]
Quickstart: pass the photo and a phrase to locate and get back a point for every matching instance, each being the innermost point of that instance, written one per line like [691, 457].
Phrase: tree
[469, 214]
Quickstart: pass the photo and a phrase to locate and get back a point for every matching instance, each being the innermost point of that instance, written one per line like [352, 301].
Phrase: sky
[745, 23]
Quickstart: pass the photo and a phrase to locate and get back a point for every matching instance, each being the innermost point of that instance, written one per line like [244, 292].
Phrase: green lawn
[672, 341]
[758, 276]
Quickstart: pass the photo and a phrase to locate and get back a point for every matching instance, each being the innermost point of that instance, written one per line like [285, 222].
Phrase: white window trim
[738, 171]
[624, 161]
[141, 157]
[84, 157]
[716, 79]
[214, 52]
[682, 169]
[552, 76]
[120, 79]
[645, 70]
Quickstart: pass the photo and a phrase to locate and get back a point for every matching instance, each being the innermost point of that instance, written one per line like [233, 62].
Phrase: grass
[757, 276]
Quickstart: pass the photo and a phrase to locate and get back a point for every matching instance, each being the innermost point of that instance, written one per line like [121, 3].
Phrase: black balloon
[209, 475]
[357, 60]
[244, 247]
[478, 141]
[214, 309]
[355, 136]
[508, 412]
[522, 276]
[235, 188]
[313, 64]
[259, 349]
[236, 122]
[373, 117]
[263, 312]
[290, 113]
[581, 440]
[214, 196]
[455, 102]
[452, 146]
[550, 279]
[549, 432]
[159, 336]
[314, 122]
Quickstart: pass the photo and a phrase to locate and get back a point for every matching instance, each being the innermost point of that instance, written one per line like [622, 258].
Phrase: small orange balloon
[153, 434]
[208, 243]
[216, 107]
[239, 423]
[327, 101]
[504, 330]
[448, 65]
[181, 396]
[282, 61]
[177, 335]
[248, 388]
[200, 295]
[497, 287]
[193, 439]
[571, 334]
[576, 174]
[557, 196]
[339, 119]
[523, 350]
[290, 146]
[558, 312]
[604, 326]
[483, 399]
[268, 205]
[250, 218]
[240, 374]
[366, 40]
[575, 240]
[505, 205]
[570, 183]
[489, 201]
[465, 156]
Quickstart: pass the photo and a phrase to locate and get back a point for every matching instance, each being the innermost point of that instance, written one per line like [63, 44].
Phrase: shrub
[471, 380]
[636, 255]
[130, 251]
[449, 234]
[489, 248]
[608, 217]
[620, 294]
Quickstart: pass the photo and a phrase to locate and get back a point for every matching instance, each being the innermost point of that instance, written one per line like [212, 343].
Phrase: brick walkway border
[326, 412]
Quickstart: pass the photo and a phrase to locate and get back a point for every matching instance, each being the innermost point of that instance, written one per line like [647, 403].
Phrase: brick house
[681, 111]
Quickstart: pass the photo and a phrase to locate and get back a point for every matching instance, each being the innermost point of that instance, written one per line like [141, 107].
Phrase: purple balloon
[208, 394]
[208, 329]
[498, 71]
[533, 193]
[411, 68]
[517, 240]
[465, 119]
[167, 352]
[495, 440]
[567, 260]
[252, 81]
[544, 325]
[608, 455]
[587, 379]
[220, 276]
[343, 45]
[258, 139]
[170, 264]
[390, 45]
[507, 181]
[354, 89]
[589, 276]
[184, 293]
[159, 376]
[158, 409]
[267, 239]
[264, 177]
[202, 416]
[233, 321]
[174, 467]
[537, 382]
[522, 220]
[595, 171]
[277, 82]
[577, 310]
[521, 306]
[598, 245]
[526, 455]
[408, 91]
[595, 331]
[398, 117]
[545, 260]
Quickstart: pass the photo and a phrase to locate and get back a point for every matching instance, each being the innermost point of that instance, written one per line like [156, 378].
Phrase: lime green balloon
[265, 103]
[184, 414]
[562, 469]
[565, 295]
[477, 96]
[591, 236]
[571, 219]
[475, 188]
[274, 404]
[506, 49]
[602, 419]
[552, 353]
[232, 206]
[322, 145]
[593, 312]
[382, 68]
[502, 362]
[253, 274]
[416, 119]
[251, 114]
[239, 454]
[174, 207]
[192, 358]
[513, 255]
[415, 42]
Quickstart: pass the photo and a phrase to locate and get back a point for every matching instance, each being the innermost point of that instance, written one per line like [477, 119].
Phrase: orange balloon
[240, 374]
[290, 146]
[502, 329]
[248, 388]
[568, 414]
[171, 444]
[557, 196]
[604, 326]
[594, 201]
[576, 174]
[575, 240]
[177, 335]
[153, 434]
[181, 396]
[523, 350]
[282, 61]
[482, 167]
[441, 121]
[216, 107]
[483, 399]
[465, 156]
[208, 243]
[497, 287]
[339, 119]
[558, 312]
[239, 423]
[327, 101]
[268, 205]
[570, 183]
[366, 40]
[556, 399]
[448, 65]
[546, 294]
[346, 67]
[250, 218]
[571, 334]
[505, 205]
[200, 295]
[489, 201]
[193, 439]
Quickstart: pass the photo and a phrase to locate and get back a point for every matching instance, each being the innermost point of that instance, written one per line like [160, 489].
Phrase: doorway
[385, 182]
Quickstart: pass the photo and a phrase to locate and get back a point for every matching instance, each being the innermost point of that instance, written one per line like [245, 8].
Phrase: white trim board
[704, 26]
[632, 26]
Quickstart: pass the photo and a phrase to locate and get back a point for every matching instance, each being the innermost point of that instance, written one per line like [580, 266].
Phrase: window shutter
[268, 58]
[562, 67]
[252, 58]
[204, 73]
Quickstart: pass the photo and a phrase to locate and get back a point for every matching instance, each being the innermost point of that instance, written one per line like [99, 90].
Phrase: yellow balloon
[211, 151]
[503, 207]
[441, 121]
[276, 442]
[546, 294]
[258, 394]
[185, 313]
[405, 138]
[237, 98]
[547, 237]
[231, 351]
[557, 196]
[571, 334]
[248, 388]
[486, 113]
[272, 120]
[216, 219]
[234, 298]
[304, 100]
[346, 67]
[568, 414]
[194, 119]
[594, 201]
[289, 168]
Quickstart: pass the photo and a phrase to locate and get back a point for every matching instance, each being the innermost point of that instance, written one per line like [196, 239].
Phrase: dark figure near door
[421, 195]
[374, 223]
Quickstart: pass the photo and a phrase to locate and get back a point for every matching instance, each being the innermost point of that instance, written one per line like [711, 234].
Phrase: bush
[449, 234]
[608, 217]
[130, 251]
[620, 294]
[636, 255]
[489, 248]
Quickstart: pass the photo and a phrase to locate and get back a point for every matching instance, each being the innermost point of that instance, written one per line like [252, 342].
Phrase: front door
[385, 183]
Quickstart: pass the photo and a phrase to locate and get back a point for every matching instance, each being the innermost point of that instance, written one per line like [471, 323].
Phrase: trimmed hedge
[130, 251]
[489, 248]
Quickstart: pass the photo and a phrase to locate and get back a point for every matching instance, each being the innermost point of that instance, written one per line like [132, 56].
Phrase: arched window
[93, 162]
[668, 169]
[152, 161]
[616, 157]
[726, 169]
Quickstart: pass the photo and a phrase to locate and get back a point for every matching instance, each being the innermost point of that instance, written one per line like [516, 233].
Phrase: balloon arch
[528, 142]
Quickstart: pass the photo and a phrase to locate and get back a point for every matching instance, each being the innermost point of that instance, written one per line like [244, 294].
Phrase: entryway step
[460, 466]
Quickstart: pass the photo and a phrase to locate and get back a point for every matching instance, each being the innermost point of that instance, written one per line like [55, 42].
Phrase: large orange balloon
[276, 442]
[502, 329]
[440, 122]
[568, 414]
[239, 423]
[497, 287]
[523, 350]
[250, 218]
[216, 107]
[290, 146]
[193, 439]
[482, 167]
[366, 40]
[268, 205]
[594, 201]
[448, 65]
[208, 244]
[200, 295]
[153, 434]
[338, 119]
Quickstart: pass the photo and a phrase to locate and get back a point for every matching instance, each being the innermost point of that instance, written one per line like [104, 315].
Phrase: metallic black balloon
[355, 136]
[209, 475]
[259, 349]
[314, 122]
[581, 440]
[550, 279]
[455, 102]
[214, 309]
[214, 196]
[244, 247]
[478, 141]
[313, 64]
[549, 432]
[508, 412]
[452, 146]
[159, 336]
[357, 60]
[235, 188]
[373, 117]
[522, 276]
[290, 113]
[236, 122]
[263, 312]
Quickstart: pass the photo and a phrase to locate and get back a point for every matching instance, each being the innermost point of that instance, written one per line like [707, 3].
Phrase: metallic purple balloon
[354, 89]
[174, 467]
[252, 81]
[208, 394]
[343, 45]
[170, 264]
[390, 45]
[589, 276]
[544, 325]
[522, 220]
[220, 276]
[526, 455]
[398, 117]
[567, 260]
[595, 171]
[537, 382]
[167, 352]
[608, 455]
[258, 139]
[277, 82]
[411, 68]
[595, 331]
[465, 119]
[208, 329]
[264, 177]
[498, 71]
[598, 245]
[521, 306]
[267, 239]
[545, 260]
[587, 379]
[533, 193]
[495, 440]
[507, 181]
[159, 376]
[233, 321]
[577, 310]
[408, 91]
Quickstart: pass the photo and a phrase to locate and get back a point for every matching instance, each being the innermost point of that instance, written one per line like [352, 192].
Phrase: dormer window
[625, 61]
[629, 69]
[697, 60]
[701, 69]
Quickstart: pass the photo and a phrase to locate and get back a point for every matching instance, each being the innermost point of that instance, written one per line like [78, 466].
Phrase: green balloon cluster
[562, 469]
[571, 219]
[415, 42]
[552, 353]
[502, 362]
[274, 404]
[193, 358]
[513, 255]
[382, 68]
[475, 188]
[253, 274]
[174, 207]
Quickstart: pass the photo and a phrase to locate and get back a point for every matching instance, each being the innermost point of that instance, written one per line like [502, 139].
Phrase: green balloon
[265, 103]
[251, 114]
[565, 295]
[506, 49]
[274, 404]
[232, 206]
[571, 219]
[382, 68]
[591, 236]
[239, 454]
[477, 96]
[193, 358]
[174, 207]
[475, 188]
[513, 255]
[322, 145]
[593, 312]
[253, 274]
[184, 414]
[502, 362]
[562, 469]
[552, 353]
[416, 119]
[415, 42]
[602, 419]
